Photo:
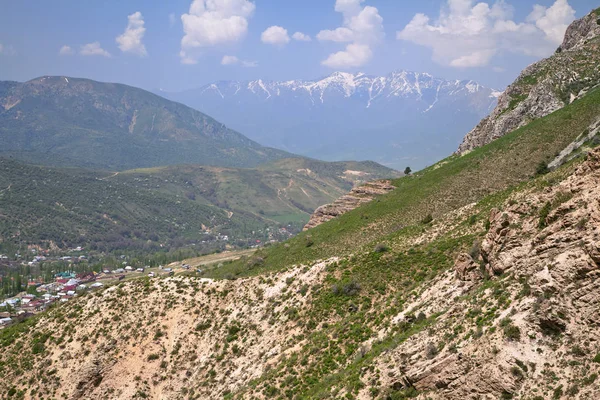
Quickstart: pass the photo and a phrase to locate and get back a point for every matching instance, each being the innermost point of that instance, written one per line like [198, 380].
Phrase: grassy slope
[448, 185]
[284, 191]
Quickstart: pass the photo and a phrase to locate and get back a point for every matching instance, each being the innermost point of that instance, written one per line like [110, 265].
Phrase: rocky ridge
[357, 196]
[545, 86]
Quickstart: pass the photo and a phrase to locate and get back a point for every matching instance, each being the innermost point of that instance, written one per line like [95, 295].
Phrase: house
[118, 271]
[129, 268]
[151, 274]
[96, 285]
[106, 271]
[140, 270]
[5, 321]
[71, 293]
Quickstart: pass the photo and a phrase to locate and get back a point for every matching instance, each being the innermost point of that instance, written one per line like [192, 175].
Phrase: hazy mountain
[400, 119]
[69, 121]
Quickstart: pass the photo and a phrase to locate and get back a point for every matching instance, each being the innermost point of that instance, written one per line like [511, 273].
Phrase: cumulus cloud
[468, 34]
[65, 50]
[93, 49]
[275, 35]
[131, 40]
[301, 37]
[233, 60]
[211, 23]
[362, 29]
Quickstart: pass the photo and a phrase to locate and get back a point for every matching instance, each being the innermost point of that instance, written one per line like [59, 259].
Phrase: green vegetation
[448, 185]
[104, 125]
[166, 207]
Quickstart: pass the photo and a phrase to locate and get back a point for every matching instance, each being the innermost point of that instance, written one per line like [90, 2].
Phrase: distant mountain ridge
[339, 116]
[59, 120]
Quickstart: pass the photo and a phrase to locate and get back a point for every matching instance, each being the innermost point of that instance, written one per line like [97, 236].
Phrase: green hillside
[65, 121]
[448, 185]
[168, 206]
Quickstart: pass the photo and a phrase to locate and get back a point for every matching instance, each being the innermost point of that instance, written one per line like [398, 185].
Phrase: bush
[597, 358]
[348, 289]
[153, 356]
[544, 212]
[427, 220]
[381, 248]
[512, 332]
[542, 168]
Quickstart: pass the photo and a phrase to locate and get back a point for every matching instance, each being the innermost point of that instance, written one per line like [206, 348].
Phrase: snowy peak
[364, 88]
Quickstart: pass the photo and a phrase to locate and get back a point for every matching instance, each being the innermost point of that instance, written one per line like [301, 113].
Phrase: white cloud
[93, 49]
[230, 60]
[355, 55]
[65, 50]
[337, 35]
[233, 60]
[250, 64]
[211, 23]
[469, 35]
[131, 40]
[275, 35]
[362, 29]
[301, 37]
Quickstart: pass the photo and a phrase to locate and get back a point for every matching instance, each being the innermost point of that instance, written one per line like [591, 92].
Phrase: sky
[184, 44]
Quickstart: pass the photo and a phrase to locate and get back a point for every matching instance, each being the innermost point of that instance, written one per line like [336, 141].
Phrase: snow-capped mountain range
[399, 119]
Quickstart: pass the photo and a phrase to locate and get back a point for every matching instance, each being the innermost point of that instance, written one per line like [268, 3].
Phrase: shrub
[542, 168]
[516, 371]
[427, 220]
[597, 358]
[407, 171]
[512, 332]
[381, 248]
[153, 356]
[544, 212]
[348, 289]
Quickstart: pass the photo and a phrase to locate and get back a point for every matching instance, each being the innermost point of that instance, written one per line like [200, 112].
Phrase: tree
[407, 171]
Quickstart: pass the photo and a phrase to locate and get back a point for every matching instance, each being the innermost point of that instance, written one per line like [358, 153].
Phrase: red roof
[62, 280]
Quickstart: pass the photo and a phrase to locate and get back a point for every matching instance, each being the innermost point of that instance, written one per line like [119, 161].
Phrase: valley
[162, 255]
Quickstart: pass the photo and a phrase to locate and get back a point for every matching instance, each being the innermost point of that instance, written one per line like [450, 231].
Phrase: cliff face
[357, 196]
[545, 86]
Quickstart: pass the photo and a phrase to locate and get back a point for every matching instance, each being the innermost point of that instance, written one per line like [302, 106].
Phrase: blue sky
[140, 42]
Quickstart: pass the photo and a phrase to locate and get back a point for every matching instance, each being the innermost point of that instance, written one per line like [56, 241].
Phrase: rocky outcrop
[357, 196]
[545, 86]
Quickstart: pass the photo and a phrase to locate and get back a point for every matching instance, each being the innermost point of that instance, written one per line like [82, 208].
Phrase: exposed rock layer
[545, 86]
[357, 196]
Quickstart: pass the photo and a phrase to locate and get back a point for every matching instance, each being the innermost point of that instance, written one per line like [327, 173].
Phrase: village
[68, 285]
